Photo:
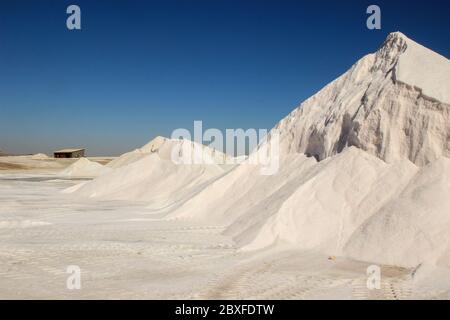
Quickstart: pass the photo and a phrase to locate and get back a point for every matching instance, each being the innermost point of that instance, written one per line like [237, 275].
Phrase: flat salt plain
[126, 253]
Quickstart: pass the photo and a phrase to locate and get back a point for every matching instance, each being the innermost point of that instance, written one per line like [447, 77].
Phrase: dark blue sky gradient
[143, 68]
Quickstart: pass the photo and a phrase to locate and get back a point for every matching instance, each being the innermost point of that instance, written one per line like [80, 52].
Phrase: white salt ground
[124, 254]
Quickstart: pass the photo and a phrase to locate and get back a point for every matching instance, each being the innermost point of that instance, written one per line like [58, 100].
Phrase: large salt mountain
[364, 167]
[392, 104]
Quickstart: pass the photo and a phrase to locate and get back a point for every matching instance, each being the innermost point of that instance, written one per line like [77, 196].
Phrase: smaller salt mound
[164, 147]
[152, 179]
[39, 156]
[84, 168]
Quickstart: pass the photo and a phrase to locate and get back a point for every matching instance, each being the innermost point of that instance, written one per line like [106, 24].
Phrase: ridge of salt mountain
[139, 153]
[154, 144]
[367, 128]
[393, 104]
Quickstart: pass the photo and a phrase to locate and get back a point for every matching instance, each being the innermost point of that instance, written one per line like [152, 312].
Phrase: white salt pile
[164, 147]
[150, 175]
[84, 168]
[39, 156]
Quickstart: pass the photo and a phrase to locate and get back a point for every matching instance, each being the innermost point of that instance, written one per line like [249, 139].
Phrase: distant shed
[69, 153]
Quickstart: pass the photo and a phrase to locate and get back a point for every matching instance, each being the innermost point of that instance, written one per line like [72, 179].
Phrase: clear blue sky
[143, 68]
